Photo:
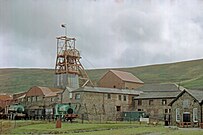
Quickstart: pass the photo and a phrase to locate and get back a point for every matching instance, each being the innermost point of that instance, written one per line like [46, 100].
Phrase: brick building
[103, 103]
[5, 100]
[120, 80]
[155, 99]
[187, 108]
[19, 97]
[41, 101]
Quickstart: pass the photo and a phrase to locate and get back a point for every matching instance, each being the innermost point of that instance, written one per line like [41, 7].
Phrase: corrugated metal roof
[159, 88]
[126, 76]
[107, 90]
[155, 95]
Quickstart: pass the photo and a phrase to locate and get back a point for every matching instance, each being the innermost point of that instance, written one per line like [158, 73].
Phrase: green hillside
[189, 74]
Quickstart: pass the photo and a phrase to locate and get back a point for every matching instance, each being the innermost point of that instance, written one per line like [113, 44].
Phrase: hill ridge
[187, 73]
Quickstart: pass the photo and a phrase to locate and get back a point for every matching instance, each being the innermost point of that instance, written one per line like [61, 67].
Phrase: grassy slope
[189, 74]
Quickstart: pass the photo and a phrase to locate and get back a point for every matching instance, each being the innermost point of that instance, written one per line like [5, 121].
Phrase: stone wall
[97, 106]
[192, 103]
[156, 108]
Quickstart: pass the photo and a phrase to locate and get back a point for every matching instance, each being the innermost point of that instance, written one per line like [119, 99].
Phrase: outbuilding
[186, 109]
[120, 80]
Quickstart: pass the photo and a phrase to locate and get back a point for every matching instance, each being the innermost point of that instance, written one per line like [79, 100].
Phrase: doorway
[186, 117]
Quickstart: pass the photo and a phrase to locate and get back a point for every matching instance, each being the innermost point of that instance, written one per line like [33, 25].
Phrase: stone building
[187, 109]
[155, 99]
[120, 80]
[103, 103]
[40, 101]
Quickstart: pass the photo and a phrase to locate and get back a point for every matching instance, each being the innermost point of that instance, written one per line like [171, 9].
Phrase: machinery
[68, 69]
[66, 111]
[16, 111]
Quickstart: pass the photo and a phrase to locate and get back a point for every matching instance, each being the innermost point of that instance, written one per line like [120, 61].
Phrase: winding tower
[68, 69]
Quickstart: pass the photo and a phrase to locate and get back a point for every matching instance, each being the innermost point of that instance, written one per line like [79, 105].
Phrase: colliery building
[40, 101]
[117, 92]
[104, 103]
[120, 80]
[5, 100]
[155, 99]
[187, 109]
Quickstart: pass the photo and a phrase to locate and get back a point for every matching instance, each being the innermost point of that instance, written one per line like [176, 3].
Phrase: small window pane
[109, 96]
[177, 114]
[124, 98]
[151, 102]
[119, 97]
[139, 102]
[195, 117]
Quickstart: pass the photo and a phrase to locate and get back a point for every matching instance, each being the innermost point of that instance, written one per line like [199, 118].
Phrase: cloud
[109, 33]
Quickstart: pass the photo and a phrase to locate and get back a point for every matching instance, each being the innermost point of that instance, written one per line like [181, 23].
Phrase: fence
[189, 124]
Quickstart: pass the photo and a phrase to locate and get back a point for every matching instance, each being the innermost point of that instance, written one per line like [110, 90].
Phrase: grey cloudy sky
[109, 33]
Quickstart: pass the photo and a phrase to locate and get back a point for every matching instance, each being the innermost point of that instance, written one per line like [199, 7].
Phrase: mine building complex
[117, 92]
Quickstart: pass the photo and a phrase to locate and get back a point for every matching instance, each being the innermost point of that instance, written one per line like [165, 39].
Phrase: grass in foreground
[101, 129]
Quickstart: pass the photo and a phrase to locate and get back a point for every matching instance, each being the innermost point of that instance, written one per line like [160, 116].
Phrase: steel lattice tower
[68, 69]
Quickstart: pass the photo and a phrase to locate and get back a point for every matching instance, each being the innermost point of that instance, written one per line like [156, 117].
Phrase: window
[186, 103]
[126, 88]
[177, 114]
[29, 99]
[124, 98]
[70, 95]
[77, 96]
[169, 110]
[33, 99]
[195, 118]
[37, 98]
[164, 101]
[140, 110]
[139, 102]
[151, 102]
[109, 96]
[166, 110]
[119, 97]
[114, 86]
[118, 108]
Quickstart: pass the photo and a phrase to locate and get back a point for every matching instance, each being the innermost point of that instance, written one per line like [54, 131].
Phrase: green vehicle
[16, 111]
[66, 111]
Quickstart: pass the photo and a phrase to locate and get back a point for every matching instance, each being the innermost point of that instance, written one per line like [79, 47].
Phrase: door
[186, 117]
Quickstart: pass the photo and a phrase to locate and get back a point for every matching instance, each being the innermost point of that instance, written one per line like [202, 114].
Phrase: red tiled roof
[126, 76]
[5, 97]
[49, 92]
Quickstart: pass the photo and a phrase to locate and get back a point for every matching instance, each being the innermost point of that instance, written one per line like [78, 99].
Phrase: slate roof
[197, 94]
[157, 95]
[159, 88]
[126, 76]
[107, 90]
